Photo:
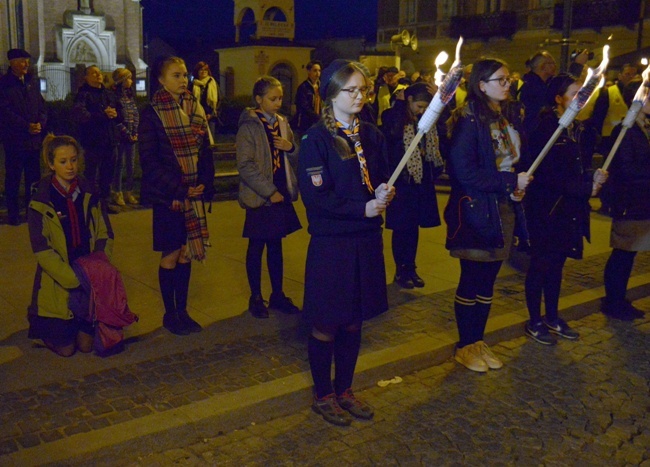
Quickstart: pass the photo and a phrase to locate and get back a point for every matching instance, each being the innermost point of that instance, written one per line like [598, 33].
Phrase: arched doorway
[283, 73]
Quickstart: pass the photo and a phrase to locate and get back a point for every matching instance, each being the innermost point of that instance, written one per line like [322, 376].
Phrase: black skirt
[169, 232]
[272, 221]
[414, 205]
[345, 280]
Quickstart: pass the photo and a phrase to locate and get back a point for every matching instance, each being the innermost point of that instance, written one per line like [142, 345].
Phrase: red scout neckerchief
[356, 139]
[271, 131]
[72, 210]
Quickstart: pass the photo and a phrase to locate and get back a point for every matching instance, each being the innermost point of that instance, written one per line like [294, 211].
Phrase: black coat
[162, 176]
[305, 115]
[20, 105]
[628, 187]
[409, 195]
[331, 188]
[557, 200]
[477, 186]
[95, 128]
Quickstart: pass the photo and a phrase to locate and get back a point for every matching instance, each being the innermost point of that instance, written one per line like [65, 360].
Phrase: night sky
[178, 21]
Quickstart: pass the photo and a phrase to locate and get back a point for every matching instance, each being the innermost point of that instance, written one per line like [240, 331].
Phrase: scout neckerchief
[185, 126]
[271, 129]
[70, 196]
[316, 101]
[356, 139]
[427, 149]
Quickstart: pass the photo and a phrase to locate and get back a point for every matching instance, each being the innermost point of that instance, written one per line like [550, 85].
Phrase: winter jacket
[305, 115]
[557, 200]
[130, 117]
[628, 186]
[331, 188]
[477, 187]
[20, 105]
[54, 275]
[95, 128]
[255, 163]
[162, 176]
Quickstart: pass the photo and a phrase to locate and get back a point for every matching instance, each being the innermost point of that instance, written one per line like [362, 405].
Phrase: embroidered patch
[317, 180]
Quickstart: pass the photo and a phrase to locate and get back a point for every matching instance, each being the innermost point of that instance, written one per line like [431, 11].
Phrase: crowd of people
[348, 135]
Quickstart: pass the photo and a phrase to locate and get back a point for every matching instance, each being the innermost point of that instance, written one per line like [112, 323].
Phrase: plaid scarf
[70, 196]
[427, 149]
[356, 139]
[271, 129]
[185, 126]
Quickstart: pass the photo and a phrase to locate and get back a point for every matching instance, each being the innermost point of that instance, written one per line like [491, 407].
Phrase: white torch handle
[615, 148]
[405, 158]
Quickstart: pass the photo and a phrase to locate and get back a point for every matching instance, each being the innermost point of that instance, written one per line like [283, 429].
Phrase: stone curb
[254, 405]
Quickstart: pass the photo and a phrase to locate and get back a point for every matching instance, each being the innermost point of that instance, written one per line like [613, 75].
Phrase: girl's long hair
[334, 86]
[477, 101]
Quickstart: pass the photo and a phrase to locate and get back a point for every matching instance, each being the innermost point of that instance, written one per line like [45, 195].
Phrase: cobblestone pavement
[580, 403]
[43, 414]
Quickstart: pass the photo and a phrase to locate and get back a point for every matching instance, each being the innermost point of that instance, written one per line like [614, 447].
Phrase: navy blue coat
[557, 200]
[162, 176]
[331, 188]
[628, 187]
[472, 212]
[20, 105]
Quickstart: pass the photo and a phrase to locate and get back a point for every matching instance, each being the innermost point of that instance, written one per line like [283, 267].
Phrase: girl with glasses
[485, 147]
[342, 173]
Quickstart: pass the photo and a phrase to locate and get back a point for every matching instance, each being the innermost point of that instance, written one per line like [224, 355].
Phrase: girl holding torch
[480, 215]
[557, 208]
[342, 173]
[629, 191]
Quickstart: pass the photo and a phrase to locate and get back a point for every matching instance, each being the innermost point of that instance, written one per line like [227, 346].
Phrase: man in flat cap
[22, 117]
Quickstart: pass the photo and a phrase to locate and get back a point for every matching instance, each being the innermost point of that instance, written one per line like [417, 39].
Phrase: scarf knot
[354, 136]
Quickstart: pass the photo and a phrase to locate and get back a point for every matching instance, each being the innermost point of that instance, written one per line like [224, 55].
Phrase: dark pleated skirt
[414, 205]
[169, 232]
[271, 221]
[345, 280]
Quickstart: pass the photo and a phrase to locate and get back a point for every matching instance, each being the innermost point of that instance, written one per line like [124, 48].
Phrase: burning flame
[644, 90]
[457, 57]
[593, 81]
[440, 60]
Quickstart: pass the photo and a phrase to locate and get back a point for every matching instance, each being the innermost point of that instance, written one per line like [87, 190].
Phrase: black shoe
[257, 307]
[329, 408]
[282, 303]
[173, 323]
[417, 280]
[403, 278]
[188, 322]
[622, 310]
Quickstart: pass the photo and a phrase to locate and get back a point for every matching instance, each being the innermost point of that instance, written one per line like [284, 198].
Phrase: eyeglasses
[354, 92]
[503, 81]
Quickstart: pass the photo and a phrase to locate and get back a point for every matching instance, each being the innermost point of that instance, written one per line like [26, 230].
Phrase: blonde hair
[166, 62]
[334, 86]
[52, 142]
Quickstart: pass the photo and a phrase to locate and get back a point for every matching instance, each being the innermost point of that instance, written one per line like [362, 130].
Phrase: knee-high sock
[405, 246]
[275, 263]
[465, 309]
[346, 351]
[534, 285]
[254, 265]
[617, 274]
[320, 364]
[166, 278]
[182, 284]
[482, 312]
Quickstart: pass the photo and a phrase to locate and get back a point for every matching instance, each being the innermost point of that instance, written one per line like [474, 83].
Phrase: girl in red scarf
[66, 221]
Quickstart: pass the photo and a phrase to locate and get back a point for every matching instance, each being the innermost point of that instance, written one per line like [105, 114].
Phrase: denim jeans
[125, 159]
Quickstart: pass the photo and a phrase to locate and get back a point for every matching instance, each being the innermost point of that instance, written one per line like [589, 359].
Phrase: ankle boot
[174, 324]
[403, 277]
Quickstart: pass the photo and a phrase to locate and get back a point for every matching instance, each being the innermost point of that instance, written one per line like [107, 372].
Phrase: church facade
[66, 35]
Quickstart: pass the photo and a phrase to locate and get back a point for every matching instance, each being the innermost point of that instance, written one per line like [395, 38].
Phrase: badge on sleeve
[316, 175]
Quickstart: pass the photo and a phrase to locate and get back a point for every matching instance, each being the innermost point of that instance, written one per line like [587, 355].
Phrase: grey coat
[254, 161]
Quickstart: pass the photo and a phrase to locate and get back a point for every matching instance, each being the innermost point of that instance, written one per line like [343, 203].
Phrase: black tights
[544, 277]
[344, 344]
[274, 262]
[405, 247]
[474, 299]
[617, 274]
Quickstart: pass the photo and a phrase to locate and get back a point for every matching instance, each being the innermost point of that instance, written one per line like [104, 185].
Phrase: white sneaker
[488, 356]
[470, 357]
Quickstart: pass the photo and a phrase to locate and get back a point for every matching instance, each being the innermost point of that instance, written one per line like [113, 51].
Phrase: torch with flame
[640, 98]
[445, 92]
[593, 81]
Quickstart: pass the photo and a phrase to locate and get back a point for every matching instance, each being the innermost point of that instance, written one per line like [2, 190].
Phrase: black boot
[417, 280]
[403, 277]
[171, 320]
